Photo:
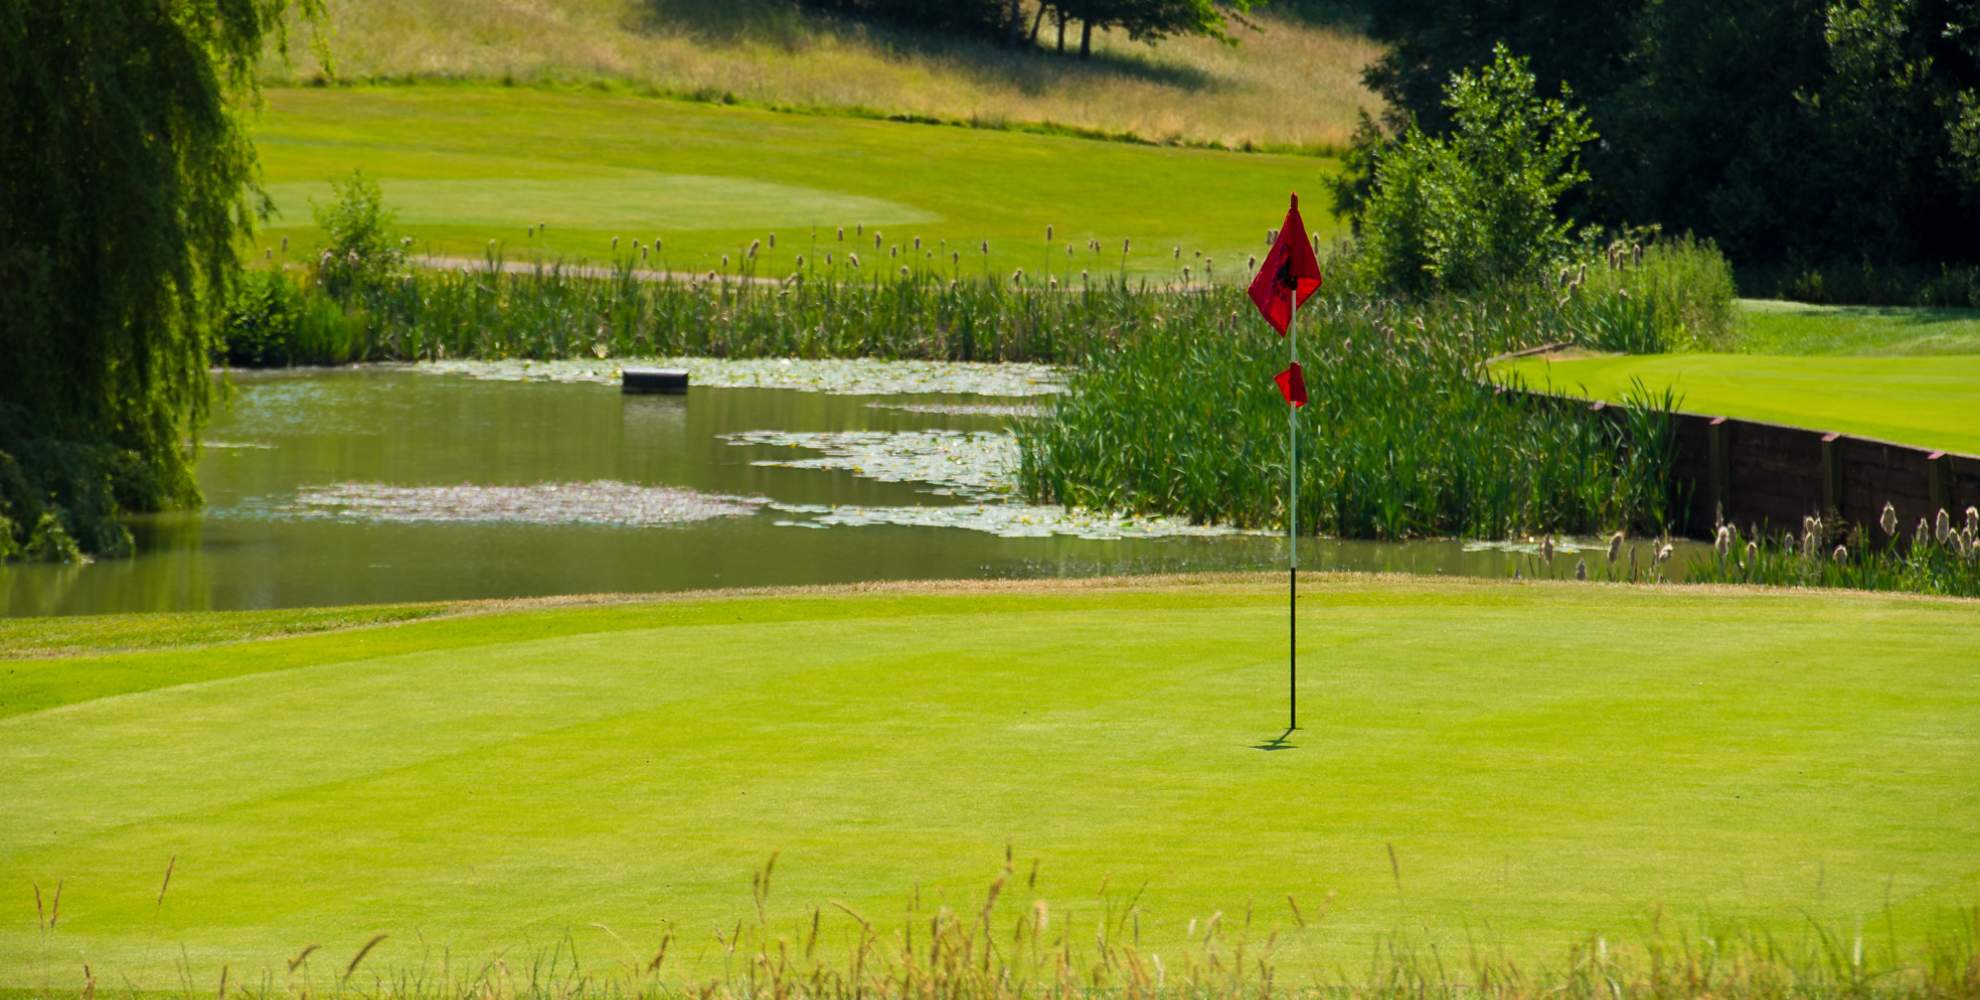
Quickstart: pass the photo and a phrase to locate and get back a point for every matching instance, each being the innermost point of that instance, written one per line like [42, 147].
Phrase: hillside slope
[1286, 84]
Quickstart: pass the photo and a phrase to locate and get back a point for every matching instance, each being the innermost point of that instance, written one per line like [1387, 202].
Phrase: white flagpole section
[1292, 526]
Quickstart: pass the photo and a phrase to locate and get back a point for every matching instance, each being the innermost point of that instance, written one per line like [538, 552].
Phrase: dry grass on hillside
[1286, 84]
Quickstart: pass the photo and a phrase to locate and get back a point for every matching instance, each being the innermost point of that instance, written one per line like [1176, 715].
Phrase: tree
[1479, 205]
[1151, 20]
[1786, 130]
[128, 182]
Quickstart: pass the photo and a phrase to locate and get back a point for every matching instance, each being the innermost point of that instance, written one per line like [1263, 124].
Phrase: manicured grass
[1925, 401]
[1544, 760]
[466, 165]
[1773, 327]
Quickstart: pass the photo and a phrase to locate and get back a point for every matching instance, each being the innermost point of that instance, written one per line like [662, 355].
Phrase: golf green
[1516, 765]
[466, 165]
[1924, 401]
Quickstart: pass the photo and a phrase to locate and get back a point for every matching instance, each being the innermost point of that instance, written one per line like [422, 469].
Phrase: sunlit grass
[1289, 84]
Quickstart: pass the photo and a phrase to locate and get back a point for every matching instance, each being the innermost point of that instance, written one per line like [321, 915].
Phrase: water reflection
[288, 433]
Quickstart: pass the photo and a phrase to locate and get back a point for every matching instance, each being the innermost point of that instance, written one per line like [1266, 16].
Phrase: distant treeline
[1026, 21]
[1804, 136]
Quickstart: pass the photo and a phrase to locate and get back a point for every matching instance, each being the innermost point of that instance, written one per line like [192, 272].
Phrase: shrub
[259, 324]
[1477, 207]
[361, 255]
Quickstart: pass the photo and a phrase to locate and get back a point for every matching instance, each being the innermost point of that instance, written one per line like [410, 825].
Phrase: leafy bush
[1476, 207]
[361, 255]
[260, 320]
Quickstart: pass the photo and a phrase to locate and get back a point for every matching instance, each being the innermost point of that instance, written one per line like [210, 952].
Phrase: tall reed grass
[1405, 436]
[1011, 944]
[1936, 556]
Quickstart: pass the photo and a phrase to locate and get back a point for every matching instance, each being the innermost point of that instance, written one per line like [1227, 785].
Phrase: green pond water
[389, 484]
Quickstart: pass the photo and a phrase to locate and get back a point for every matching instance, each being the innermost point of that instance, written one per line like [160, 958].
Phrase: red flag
[1289, 268]
[1292, 385]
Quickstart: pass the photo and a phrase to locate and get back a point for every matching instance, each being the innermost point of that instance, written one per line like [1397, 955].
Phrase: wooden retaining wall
[1774, 476]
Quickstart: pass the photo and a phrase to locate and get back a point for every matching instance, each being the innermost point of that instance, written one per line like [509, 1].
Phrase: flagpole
[1292, 527]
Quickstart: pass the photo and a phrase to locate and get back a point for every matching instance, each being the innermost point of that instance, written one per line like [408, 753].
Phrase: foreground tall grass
[1011, 945]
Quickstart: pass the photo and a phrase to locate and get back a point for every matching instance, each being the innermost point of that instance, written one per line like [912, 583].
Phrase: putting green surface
[1925, 401]
[1546, 761]
[466, 165]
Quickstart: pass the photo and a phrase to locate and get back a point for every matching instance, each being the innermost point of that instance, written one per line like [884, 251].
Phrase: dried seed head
[876, 239]
[1125, 242]
[1178, 252]
[1664, 552]
[984, 246]
[1615, 547]
[754, 245]
[1889, 522]
[1581, 569]
[1752, 553]
[1723, 542]
[1017, 276]
[917, 243]
[615, 243]
[853, 259]
[1973, 520]
[904, 270]
[1547, 549]
[1841, 554]
[725, 262]
[1048, 232]
[773, 241]
[1942, 528]
[842, 234]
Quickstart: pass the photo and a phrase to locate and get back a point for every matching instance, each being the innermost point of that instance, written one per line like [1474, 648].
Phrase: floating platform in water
[673, 381]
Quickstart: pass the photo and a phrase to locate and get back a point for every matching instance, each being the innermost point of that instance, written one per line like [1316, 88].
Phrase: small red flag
[1290, 269]
[1292, 385]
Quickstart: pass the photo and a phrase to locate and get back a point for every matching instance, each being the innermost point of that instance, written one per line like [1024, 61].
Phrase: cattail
[285, 249]
[405, 242]
[1581, 569]
[1547, 550]
[917, 243]
[1069, 250]
[828, 258]
[615, 243]
[656, 244]
[842, 234]
[1082, 276]
[1251, 263]
[1178, 251]
[1921, 535]
[1125, 242]
[1185, 274]
[1271, 236]
[267, 254]
[859, 229]
[1841, 554]
[1615, 547]
[1942, 528]
[904, 270]
[642, 253]
[725, 262]
[800, 262]
[985, 247]
[753, 245]
[773, 241]
[1752, 553]
[1052, 283]
[1723, 542]
[853, 259]
[1048, 232]
[1889, 521]
[1664, 553]
[1973, 520]
[1017, 276]
[955, 256]
[894, 252]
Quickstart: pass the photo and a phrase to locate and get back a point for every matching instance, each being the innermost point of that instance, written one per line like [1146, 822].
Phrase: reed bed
[1940, 555]
[1011, 945]
[1405, 436]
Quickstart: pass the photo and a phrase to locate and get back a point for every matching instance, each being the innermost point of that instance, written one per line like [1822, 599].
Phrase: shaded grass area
[1523, 765]
[465, 166]
[1289, 83]
[1923, 401]
[1775, 327]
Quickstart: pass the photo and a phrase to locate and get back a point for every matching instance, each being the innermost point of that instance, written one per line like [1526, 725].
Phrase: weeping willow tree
[126, 183]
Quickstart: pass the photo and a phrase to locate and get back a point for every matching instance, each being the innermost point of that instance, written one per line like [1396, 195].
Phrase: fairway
[466, 165]
[1544, 761]
[1923, 401]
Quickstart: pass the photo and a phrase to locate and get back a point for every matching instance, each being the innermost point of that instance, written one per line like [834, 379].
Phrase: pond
[381, 484]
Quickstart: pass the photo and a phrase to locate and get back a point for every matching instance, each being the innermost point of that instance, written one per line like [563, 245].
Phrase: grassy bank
[1523, 766]
[468, 165]
[1287, 84]
[1774, 327]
